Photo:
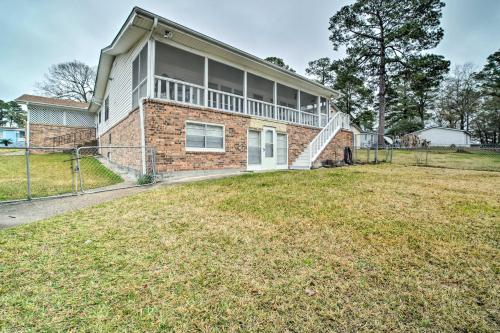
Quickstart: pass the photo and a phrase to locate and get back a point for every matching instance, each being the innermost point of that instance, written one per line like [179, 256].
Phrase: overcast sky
[35, 34]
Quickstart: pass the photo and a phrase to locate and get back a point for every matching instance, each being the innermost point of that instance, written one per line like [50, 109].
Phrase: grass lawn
[364, 248]
[474, 160]
[9, 150]
[50, 175]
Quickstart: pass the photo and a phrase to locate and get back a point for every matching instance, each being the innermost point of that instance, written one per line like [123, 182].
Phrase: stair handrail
[339, 121]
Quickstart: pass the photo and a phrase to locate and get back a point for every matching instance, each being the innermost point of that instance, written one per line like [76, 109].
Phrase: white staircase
[318, 144]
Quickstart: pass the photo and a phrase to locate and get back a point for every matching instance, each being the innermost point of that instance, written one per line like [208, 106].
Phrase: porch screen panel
[323, 105]
[139, 76]
[178, 64]
[254, 147]
[259, 88]
[225, 78]
[308, 103]
[282, 149]
[287, 96]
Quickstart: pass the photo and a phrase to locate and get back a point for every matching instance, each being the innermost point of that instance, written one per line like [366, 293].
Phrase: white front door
[269, 160]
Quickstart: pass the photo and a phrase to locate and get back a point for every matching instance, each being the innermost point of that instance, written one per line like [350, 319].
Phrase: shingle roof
[52, 101]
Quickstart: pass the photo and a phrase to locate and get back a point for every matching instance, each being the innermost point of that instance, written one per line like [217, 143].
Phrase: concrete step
[300, 167]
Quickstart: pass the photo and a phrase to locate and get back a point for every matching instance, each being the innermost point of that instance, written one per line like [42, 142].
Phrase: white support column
[318, 107]
[275, 99]
[245, 92]
[328, 109]
[151, 68]
[298, 106]
[205, 83]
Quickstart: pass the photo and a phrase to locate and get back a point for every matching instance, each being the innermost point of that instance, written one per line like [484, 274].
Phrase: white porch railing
[225, 101]
[183, 92]
[339, 121]
[288, 114]
[260, 108]
[309, 119]
[179, 91]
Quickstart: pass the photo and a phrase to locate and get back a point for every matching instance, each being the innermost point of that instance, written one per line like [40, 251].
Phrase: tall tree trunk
[381, 96]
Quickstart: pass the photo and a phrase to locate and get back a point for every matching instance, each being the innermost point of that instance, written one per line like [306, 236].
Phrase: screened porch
[192, 79]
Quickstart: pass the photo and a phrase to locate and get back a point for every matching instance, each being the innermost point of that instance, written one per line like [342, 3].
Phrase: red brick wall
[335, 149]
[165, 130]
[125, 133]
[165, 125]
[298, 139]
[41, 135]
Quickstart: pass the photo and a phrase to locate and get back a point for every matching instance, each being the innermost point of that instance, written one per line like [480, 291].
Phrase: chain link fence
[479, 158]
[40, 172]
[373, 148]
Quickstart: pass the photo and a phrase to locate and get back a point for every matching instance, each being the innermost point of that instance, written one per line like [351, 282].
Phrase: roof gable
[51, 101]
[140, 22]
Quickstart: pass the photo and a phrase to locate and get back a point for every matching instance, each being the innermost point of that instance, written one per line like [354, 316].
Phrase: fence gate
[40, 172]
[113, 167]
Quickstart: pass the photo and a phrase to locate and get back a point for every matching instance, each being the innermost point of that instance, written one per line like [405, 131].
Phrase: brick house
[205, 105]
[55, 122]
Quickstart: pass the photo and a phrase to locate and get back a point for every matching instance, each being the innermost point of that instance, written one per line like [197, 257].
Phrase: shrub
[145, 179]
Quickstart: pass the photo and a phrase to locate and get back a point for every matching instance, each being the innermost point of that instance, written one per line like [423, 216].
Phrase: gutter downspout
[143, 135]
[141, 101]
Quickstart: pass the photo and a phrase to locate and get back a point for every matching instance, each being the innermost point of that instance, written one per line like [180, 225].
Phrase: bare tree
[459, 98]
[73, 80]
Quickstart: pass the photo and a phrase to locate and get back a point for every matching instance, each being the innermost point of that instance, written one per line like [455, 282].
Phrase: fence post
[28, 178]
[367, 154]
[73, 173]
[426, 155]
[78, 168]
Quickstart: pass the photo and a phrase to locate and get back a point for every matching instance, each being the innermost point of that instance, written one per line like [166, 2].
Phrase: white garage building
[442, 136]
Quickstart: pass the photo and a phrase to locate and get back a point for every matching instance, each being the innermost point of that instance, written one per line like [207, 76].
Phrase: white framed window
[139, 76]
[106, 109]
[282, 149]
[204, 137]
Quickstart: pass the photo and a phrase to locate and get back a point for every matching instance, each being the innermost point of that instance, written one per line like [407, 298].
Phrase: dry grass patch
[354, 249]
[50, 175]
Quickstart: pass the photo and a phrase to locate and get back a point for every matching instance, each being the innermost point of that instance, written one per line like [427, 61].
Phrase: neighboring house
[54, 122]
[365, 139]
[206, 105]
[442, 136]
[15, 135]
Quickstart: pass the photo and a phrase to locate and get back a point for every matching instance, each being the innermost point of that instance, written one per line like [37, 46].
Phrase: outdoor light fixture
[168, 34]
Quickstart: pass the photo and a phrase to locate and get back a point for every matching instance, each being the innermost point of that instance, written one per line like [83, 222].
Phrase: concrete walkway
[30, 211]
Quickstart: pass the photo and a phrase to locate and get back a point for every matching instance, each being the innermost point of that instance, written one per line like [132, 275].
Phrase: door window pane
[254, 147]
[282, 149]
[269, 143]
